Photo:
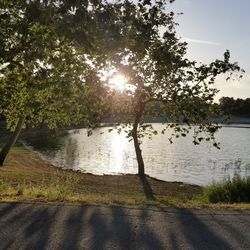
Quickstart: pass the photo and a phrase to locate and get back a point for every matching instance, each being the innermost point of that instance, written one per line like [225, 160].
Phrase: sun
[118, 81]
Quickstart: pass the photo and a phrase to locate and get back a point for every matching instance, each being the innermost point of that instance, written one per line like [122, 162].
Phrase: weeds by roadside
[59, 189]
[231, 190]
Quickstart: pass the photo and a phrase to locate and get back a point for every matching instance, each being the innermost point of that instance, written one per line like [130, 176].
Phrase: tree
[53, 52]
[157, 71]
[48, 53]
[230, 106]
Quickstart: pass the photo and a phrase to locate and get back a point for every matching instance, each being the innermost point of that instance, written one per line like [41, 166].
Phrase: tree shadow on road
[69, 226]
[200, 235]
[147, 188]
[230, 229]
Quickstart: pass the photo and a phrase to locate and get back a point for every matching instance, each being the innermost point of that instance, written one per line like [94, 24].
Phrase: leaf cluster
[47, 59]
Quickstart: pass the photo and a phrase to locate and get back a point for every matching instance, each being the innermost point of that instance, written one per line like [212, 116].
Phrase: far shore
[224, 121]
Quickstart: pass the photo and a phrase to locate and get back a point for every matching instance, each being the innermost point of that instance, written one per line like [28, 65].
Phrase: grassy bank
[26, 177]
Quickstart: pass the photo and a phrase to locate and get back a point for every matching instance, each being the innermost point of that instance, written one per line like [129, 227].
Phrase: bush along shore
[231, 190]
[26, 177]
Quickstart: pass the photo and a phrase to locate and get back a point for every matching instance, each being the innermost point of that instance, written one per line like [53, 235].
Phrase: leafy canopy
[48, 54]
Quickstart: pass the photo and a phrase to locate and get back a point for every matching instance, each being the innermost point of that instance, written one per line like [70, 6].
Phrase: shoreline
[25, 168]
[26, 177]
[223, 120]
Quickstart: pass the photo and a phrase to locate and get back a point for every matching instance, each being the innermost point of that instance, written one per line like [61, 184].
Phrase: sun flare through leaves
[118, 82]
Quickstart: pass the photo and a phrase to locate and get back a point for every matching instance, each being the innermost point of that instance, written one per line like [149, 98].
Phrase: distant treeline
[159, 113]
[238, 107]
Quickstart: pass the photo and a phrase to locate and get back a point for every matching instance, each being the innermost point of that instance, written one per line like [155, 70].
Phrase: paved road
[50, 226]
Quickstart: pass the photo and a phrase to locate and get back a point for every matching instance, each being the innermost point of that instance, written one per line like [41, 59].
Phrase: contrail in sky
[191, 40]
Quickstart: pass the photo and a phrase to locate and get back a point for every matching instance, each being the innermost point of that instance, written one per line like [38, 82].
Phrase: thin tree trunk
[140, 162]
[5, 150]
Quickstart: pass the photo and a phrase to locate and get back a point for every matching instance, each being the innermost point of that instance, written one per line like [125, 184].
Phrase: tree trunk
[5, 150]
[140, 162]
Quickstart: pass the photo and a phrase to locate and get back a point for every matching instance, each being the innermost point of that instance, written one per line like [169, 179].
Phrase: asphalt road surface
[71, 226]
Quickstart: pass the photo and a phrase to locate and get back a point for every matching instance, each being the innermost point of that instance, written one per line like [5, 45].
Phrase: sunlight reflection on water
[118, 146]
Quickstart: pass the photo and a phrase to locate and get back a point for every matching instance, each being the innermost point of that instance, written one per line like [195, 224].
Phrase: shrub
[231, 190]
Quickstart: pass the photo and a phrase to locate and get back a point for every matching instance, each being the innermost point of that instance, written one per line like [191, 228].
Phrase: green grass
[58, 190]
[231, 190]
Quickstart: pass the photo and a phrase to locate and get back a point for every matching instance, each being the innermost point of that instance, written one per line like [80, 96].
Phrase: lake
[111, 153]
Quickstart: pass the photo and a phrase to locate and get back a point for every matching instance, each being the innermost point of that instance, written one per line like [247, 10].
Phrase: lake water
[112, 153]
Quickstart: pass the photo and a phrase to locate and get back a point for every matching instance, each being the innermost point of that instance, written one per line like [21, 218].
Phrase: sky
[212, 26]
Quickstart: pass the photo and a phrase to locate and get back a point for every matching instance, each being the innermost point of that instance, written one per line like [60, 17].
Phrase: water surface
[112, 153]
